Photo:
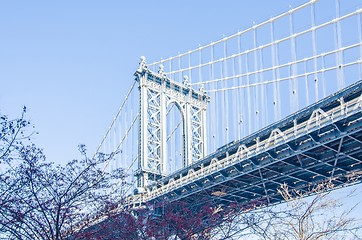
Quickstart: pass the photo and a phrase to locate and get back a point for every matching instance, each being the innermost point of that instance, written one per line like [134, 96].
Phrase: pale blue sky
[71, 62]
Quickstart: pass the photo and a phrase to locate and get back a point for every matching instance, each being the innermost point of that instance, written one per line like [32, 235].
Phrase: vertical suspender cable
[248, 102]
[226, 98]
[209, 117]
[119, 137]
[170, 70]
[235, 99]
[171, 141]
[179, 67]
[263, 93]
[338, 45]
[170, 152]
[277, 68]
[324, 89]
[215, 119]
[221, 107]
[306, 76]
[306, 85]
[200, 63]
[294, 93]
[359, 24]
[240, 103]
[190, 72]
[131, 137]
[275, 84]
[115, 140]
[125, 145]
[109, 150]
[314, 43]
[290, 67]
[256, 80]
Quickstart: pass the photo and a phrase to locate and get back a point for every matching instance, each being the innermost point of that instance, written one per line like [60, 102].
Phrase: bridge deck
[320, 142]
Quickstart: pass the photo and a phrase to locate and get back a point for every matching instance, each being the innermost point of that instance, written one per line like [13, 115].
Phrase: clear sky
[71, 62]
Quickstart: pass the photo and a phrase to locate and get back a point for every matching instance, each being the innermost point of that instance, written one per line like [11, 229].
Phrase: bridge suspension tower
[157, 93]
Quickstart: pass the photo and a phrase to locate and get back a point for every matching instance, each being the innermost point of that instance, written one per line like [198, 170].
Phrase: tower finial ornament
[142, 64]
[201, 89]
[161, 70]
[186, 81]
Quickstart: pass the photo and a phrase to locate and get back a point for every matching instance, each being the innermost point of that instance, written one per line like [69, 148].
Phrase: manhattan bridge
[230, 121]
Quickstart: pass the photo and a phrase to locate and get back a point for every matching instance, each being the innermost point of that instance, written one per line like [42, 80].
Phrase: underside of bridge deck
[320, 143]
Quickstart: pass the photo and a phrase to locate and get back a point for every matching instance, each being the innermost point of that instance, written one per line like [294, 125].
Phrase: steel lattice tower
[157, 92]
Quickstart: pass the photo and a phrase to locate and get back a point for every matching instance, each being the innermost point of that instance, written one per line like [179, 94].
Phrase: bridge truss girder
[303, 150]
[242, 183]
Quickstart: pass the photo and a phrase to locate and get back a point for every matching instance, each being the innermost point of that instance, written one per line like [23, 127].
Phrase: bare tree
[313, 214]
[12, 134]
[176, 220]
[40, 200]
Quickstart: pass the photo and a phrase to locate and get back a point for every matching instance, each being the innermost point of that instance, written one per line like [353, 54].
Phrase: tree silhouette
[80, 200]
[40, 200]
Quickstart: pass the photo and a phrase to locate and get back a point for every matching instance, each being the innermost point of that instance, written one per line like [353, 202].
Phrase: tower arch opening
[175, 137]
